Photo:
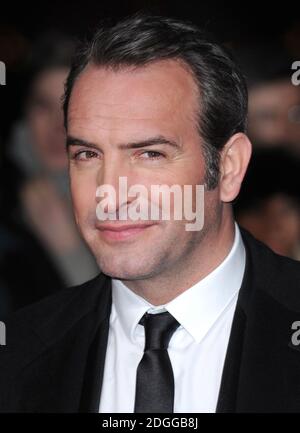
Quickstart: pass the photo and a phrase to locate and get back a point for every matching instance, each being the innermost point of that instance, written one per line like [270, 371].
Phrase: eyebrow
[152, 141]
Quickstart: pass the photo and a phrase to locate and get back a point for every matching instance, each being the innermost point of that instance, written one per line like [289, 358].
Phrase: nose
[113, 181]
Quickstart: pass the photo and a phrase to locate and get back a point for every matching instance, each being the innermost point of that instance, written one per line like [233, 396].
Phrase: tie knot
[159, 329]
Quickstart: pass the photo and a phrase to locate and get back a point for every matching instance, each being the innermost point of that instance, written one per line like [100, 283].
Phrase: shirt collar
[197, 308]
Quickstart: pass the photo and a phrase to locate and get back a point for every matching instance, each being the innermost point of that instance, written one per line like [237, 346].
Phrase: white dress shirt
[197, 348]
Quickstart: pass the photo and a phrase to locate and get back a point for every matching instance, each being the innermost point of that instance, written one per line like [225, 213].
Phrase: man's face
[155, 109]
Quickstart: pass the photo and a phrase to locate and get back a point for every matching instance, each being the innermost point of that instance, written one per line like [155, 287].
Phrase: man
[179, 320]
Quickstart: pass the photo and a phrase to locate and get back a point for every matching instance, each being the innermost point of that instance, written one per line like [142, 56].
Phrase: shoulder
[57, 305]
[42, 336]
[275, 275]
[43, 323]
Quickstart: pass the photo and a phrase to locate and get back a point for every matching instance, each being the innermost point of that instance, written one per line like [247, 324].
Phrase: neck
[214, 248]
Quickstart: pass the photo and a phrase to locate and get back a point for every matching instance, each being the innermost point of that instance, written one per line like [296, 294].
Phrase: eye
[152, 154]
[84, 155]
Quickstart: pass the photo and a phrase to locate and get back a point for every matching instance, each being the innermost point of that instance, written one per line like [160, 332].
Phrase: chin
[124, 268]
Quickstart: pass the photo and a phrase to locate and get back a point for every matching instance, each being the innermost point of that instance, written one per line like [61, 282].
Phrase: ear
[235, 157]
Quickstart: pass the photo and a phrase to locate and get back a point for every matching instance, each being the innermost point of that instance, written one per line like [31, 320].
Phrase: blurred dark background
[236, 23]
[36, 44]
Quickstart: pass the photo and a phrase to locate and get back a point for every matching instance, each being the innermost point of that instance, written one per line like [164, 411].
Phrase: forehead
[163, 91]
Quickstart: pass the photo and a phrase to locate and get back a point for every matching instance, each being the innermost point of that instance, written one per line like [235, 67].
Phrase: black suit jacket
[55, 352]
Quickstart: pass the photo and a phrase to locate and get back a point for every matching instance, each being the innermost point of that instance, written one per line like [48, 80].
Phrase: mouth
[122, 232]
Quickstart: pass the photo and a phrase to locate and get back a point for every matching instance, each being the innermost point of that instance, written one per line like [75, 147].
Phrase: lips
[123, 231]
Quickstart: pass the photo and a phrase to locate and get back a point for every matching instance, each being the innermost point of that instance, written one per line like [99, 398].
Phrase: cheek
[213, 207]
[83, 195]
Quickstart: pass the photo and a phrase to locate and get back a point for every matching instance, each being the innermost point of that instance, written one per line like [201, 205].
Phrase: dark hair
[142, 39]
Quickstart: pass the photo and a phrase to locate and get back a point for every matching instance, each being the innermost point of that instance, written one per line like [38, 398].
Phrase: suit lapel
[61, 365]
[93, 381]
[231, 371]
[261, 370]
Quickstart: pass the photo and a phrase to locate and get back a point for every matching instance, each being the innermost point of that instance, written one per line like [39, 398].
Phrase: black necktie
[154, 378]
